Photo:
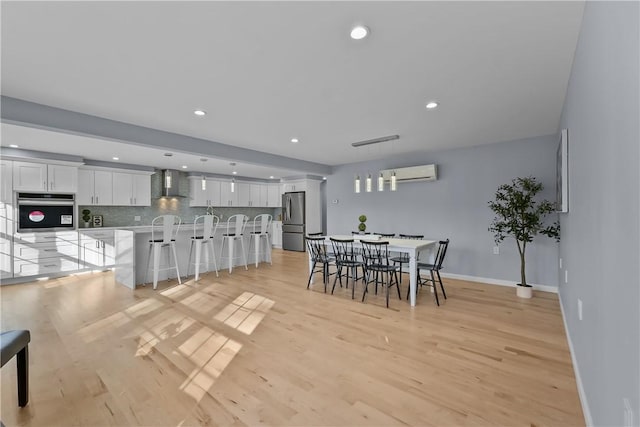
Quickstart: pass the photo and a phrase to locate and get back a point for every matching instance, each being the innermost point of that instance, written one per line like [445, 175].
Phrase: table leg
[412, 279]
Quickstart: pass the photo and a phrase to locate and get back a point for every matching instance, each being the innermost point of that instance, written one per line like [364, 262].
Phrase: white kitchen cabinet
[130, 189]
[28, 176]
[97, 249]
[6, 237]
[243, 189]
[228, 197]
[62, 179]
[288, 187]
[274, 198]
[209, 196]
[6, 219]
[6, 182]
[95, 187]
[45, 253]
[255, 195]
[276, 234]
[249, 194]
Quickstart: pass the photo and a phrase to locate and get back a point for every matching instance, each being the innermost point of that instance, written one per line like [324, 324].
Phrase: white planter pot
[87, 224]
[524, 291]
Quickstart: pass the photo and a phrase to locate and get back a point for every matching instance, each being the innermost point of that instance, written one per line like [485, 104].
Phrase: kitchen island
[132, 252]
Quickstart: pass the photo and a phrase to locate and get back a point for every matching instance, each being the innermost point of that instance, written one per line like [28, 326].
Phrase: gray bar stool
[210, 225]
[260, 233]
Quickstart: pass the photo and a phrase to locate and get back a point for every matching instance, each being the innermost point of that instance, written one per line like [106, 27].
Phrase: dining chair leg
[387, 287]
[441, 286]
[397, 285]
[338, 276]
[435, 289]
[365, 291]
[311, 274]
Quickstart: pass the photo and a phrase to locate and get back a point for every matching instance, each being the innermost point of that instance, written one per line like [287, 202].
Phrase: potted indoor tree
[521, 216]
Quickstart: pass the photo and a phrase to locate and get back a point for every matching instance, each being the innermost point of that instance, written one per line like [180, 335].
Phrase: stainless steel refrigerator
[293, 227]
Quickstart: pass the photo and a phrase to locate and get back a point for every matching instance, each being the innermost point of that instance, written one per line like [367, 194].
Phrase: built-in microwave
[45, 212]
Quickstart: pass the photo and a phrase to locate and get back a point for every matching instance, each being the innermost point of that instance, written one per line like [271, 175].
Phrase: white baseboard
[583, 397]
[545, 288]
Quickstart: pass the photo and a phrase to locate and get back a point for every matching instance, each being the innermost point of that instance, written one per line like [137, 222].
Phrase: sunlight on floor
[246, 312]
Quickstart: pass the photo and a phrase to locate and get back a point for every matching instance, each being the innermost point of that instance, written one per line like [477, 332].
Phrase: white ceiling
[269, 71]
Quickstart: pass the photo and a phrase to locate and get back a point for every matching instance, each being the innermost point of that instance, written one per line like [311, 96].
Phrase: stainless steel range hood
[170, 183]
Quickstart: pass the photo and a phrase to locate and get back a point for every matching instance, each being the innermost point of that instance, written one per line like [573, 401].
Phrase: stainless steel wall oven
[45, 212]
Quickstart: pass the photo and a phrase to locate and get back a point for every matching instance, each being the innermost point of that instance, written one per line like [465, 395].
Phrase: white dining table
[411, 247]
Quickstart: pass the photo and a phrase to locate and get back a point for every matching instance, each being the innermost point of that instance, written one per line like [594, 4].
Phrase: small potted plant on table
[521, 216]
[362, 227]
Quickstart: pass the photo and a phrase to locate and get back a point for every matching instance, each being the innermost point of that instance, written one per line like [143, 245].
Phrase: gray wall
[600, 234]
[454, 206]
[119, 216]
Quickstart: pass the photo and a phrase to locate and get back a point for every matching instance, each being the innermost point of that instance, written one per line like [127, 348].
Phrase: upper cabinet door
[198, 196]
[141, 190]
[29, 176]
[103, 188]
[63, 179]
[85, 194]
[244, 194]
[6, 181]
[273, 196]
[122, 189]
[255, 199]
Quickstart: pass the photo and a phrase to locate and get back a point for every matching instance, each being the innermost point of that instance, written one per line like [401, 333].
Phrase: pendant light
[368, 184]
[380, 182]
[393, 181]
[233, 180]
[203, 183]
[356, 184]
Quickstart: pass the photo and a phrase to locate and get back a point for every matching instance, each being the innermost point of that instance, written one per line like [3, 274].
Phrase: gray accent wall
[600, 234]
[454, 206]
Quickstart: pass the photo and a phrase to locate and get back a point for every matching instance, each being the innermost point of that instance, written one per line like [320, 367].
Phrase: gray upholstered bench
[14, 343]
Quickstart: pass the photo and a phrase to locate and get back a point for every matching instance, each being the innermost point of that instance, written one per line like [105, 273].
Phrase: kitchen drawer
[98, 235]
[45, 250]
[23, 268]
[49, 237]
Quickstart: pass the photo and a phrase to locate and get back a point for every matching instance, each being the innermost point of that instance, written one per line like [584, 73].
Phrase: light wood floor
[257, 347]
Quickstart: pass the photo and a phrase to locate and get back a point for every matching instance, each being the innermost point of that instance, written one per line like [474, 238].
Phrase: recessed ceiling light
[324, 178]
[199, 113]
[431, 105]
[359, 32]
[271, 177]
[116, 158]
[184, 166]
[203, 159]
[295, 140]
[13, 146]
[168, 154]
[234, 172]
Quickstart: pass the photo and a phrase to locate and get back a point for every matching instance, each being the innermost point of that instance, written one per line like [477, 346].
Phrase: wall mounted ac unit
[412, 174]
